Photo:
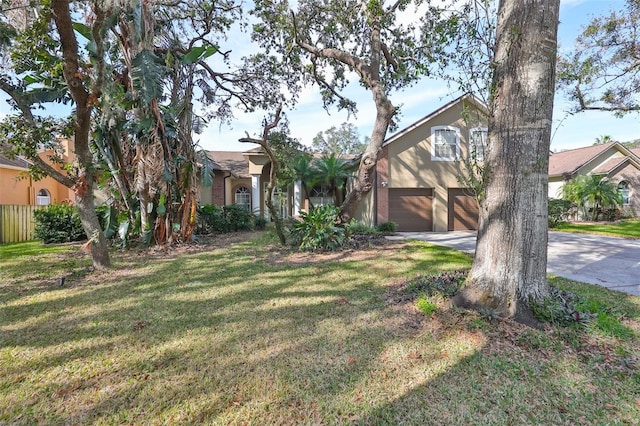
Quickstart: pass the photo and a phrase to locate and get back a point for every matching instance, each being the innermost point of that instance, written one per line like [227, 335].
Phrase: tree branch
[363, 70]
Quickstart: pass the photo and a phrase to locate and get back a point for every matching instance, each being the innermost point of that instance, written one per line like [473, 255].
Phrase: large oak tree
[379, 44]
[510, 265]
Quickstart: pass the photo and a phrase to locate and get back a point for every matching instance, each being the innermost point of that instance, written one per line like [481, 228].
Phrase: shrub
[387, 227]
[240, 219]
[317, 230]
[215, 219]
[210, 219]
[58, 223]
[359, 228]
[559, 211]
[260, 223]
[612, 214]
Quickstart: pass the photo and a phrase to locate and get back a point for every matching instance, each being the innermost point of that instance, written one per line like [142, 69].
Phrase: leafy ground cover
[242, 332]
[626, 228]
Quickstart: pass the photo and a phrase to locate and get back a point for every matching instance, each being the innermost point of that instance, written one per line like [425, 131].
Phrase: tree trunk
[83, 187]
[510, 266]
[364, 177]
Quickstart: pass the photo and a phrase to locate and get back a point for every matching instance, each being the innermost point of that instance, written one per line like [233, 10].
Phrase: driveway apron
[606, 261]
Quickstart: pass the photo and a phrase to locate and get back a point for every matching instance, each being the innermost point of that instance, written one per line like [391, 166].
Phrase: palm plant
[592, 191]
[334, 172]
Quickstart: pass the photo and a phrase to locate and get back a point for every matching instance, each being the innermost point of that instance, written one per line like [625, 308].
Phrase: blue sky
[568, 131]
[309, 117]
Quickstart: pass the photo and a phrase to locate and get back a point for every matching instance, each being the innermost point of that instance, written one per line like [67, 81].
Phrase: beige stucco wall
[604, 157]
[555, 187]
[630, 174]
[410, 164]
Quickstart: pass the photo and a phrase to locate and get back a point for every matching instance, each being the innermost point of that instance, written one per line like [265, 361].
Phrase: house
[611, 160]
[417, 182]
[241, 178]
[18, 188]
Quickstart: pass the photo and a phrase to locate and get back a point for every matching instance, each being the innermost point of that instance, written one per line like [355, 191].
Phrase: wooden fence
[17, 223]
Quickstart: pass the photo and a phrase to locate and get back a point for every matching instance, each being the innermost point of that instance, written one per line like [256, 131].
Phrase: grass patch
[249, 333]
[626, 228]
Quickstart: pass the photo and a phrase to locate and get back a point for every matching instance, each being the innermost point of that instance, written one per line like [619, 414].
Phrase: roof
[466, 97]
[636, 151]
[13, 163]
[568, 162]
[230, 161]
[610, 165]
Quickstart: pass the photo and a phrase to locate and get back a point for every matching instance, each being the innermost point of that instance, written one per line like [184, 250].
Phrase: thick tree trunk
[510, 265]
[364, 178]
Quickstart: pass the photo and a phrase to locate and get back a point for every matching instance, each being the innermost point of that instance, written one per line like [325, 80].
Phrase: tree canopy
[601, 71]
[340, 141]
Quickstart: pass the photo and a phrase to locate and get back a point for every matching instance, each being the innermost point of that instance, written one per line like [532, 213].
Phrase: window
[43, 198]
[477, 143]
[623, 190]
[320, 195]
[243, 197]
[445, 143]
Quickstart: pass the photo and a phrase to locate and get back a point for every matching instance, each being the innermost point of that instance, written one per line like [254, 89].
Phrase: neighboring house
[18, 188]
[417, 178]
[611, 160]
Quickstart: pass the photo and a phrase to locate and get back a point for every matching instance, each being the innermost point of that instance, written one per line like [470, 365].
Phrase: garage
[411, 208]
[463, 210]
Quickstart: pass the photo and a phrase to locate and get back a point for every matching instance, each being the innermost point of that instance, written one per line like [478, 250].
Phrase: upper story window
[43, 198]
[445, 141]
[623, 190]
[243, 197]
[477, 143]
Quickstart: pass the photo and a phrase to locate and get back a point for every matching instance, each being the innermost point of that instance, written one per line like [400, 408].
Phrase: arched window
[623, 190]
[243, 197]
[43, 198]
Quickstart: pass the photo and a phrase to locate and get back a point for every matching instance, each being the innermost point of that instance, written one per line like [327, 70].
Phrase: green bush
[240, 219]
[317, 231]
[387, 227]
[559, 211]
[58, 223]
[212, 219]
[359, 228]
[260, 223]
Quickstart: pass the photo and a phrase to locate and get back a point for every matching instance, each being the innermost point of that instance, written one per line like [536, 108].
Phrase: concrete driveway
[607, 261]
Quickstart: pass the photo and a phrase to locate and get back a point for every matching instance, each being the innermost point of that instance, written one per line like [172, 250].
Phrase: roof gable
[571, 161]
[464, 98]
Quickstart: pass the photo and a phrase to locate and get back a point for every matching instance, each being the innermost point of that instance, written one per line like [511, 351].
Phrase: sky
[309, 117]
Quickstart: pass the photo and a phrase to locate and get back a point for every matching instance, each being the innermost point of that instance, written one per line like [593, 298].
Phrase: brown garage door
[411, 208]
[463, 210]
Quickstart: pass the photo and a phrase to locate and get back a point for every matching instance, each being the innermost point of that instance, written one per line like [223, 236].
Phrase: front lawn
[626, 229]
[247, 333]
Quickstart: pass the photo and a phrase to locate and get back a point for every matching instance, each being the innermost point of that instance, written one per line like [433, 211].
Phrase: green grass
[626, 229]
[253, 334]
